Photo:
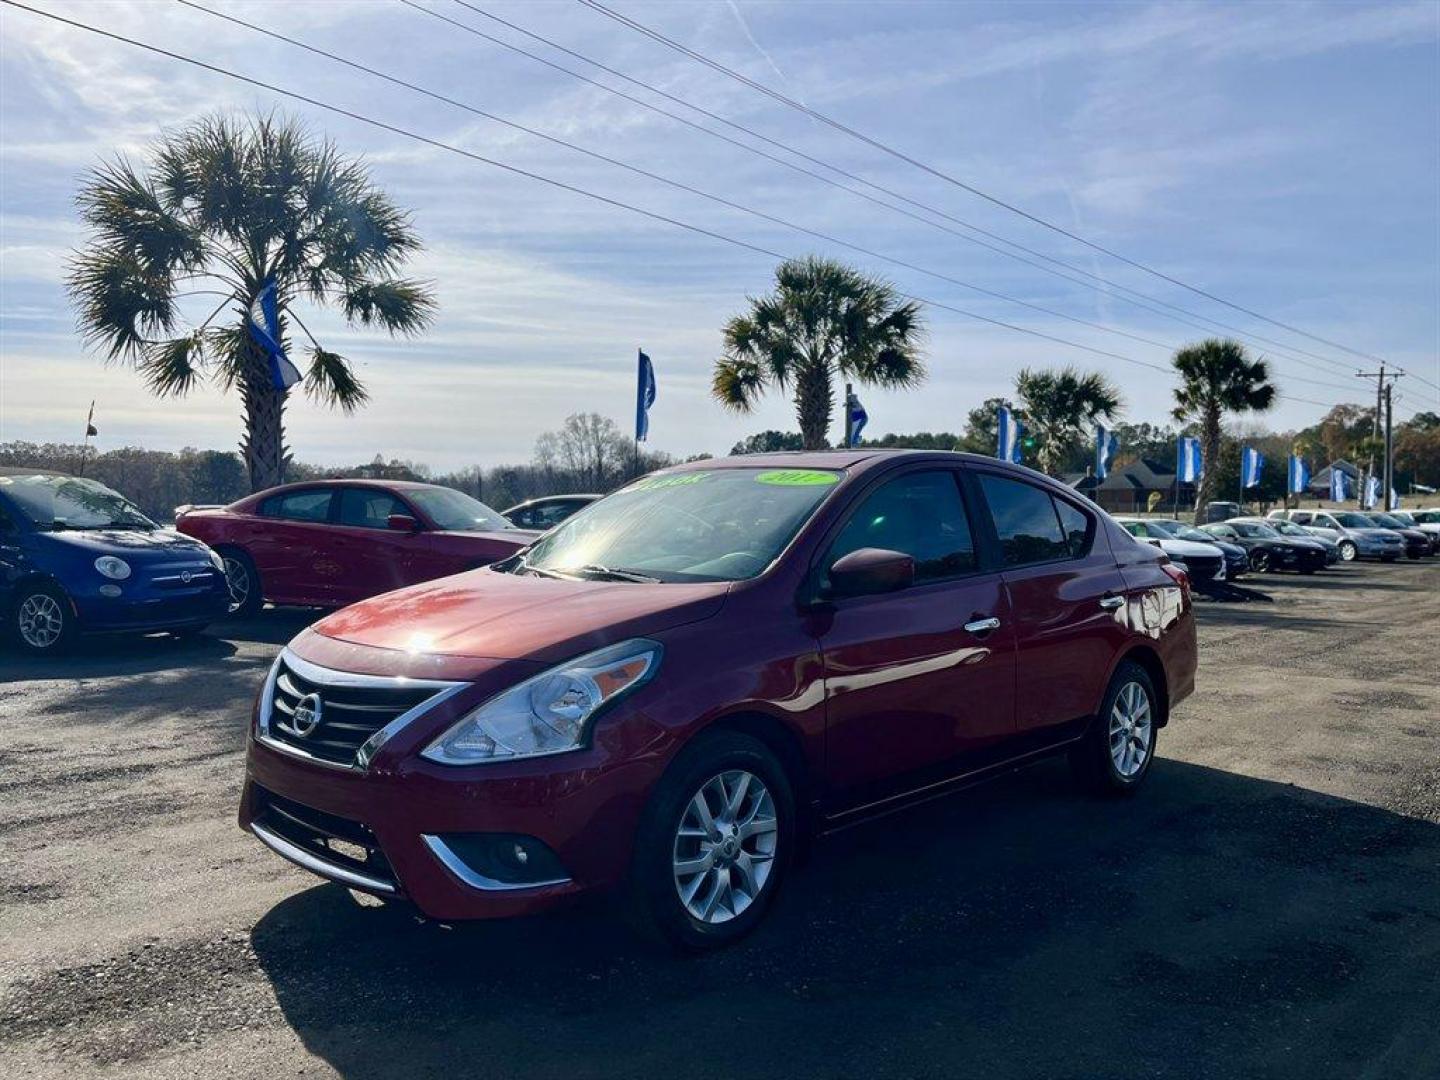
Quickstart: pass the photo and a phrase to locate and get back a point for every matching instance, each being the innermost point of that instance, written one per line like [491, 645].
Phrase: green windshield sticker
[654, 483]
[797, 478]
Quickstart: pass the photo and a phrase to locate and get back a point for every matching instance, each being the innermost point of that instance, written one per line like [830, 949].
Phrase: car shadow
[108, 655]
[1214, 925]
[1227, 592]
[268, 626]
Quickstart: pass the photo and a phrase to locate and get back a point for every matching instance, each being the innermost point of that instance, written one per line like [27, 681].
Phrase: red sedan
[333, 542]
[666, 692]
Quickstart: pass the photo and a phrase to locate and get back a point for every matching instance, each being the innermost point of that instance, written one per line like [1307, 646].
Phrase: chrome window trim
[467, 876]
[316, 865]
[330, 678]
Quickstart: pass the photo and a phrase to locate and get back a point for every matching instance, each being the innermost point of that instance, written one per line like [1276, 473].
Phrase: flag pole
[85, 444]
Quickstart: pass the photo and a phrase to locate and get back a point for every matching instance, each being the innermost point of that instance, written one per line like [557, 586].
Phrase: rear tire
[1260, 562]
[714, 844]
[243, 582]
[41, 620]
[1115, 755]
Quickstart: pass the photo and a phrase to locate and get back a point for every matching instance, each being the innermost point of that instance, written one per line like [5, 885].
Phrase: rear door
[1066, 592]
[290, 547]
[918, 680]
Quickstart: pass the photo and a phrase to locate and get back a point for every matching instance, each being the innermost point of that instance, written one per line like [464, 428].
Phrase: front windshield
[454, 511]
[1286, 528]
[71, 502]
[1355, 521]
[707, 525]
[1404, 517]
[1389, 521]
[1189, 532]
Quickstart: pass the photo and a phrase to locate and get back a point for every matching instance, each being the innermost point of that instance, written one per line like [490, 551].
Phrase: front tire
[1115, 755]
[243, 582]
[715, 843]
[1348, 551]
[42, 621]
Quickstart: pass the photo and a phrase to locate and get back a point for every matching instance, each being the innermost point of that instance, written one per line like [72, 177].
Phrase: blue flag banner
[1252, 463]
[1007, 436]
[1188, 462]
[1299, 479]
[858, 418]
[1105, 446]
[1339, 485]
[1372, 493]
[263, 321]
[644, 396]
[1394, 500]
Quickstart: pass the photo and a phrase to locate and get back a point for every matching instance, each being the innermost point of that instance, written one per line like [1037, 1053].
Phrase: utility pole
[849, 392]
[1389, 448]
[1384, 380]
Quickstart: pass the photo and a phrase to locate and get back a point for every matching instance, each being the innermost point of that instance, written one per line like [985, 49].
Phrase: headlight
[113, 568]
[547, 714]
[215, 559]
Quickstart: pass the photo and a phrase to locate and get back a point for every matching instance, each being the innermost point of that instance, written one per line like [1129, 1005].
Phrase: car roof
[857, 459]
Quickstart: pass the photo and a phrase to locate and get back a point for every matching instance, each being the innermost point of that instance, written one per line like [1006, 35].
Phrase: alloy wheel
[41, 621]
[1130, 730]
[1260, 562]
[725, 846]
[1347, 551]
[237, 581]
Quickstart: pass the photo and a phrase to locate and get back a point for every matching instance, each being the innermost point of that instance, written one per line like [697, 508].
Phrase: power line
[435, 95]
[679, 185]
[550, 181]
[1121, 292]
[784, 99]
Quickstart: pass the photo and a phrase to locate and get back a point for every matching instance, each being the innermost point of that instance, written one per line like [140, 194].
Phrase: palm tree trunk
[263, 445]
[1210, 451]
[814, 401]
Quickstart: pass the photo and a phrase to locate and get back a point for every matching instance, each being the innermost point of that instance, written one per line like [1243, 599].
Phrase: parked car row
[1368, 535]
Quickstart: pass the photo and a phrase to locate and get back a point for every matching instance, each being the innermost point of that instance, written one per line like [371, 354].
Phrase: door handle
[983, 626]
[1110, 603]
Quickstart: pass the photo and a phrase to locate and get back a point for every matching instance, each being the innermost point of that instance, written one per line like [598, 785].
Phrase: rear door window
[1025, 521]
[919, 514]
[312, 504]
[367, 508]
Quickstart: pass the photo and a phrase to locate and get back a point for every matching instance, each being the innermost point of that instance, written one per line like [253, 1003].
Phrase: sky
[1284, 157]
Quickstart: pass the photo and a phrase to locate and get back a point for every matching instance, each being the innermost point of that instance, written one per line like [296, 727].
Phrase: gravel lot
[1269, 906]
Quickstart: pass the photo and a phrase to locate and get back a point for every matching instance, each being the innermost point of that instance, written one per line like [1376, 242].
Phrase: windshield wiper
[608, 573]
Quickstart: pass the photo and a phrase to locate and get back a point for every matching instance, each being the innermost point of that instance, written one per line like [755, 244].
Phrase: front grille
[349, 715]
[184, 577]
[333, 840]
[1204, 567]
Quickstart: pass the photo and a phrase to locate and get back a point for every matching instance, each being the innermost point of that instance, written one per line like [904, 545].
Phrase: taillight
[1179, 576]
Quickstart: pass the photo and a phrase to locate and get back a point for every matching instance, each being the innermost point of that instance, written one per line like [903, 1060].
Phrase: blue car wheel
[42, 620]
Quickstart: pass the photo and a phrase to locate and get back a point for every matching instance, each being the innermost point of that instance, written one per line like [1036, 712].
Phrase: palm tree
[1059, 405]
[824, 322]
[1217, 377]
[221, 209]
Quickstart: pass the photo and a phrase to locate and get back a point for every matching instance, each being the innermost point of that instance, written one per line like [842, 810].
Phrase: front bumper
[583, 806]
[143, 609]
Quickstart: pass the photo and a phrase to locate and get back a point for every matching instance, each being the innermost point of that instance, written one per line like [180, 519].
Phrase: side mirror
[869, 571]
[402, 523]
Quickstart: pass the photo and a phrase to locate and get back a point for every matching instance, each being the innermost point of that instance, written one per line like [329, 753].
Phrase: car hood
[486, 614]
[1375, 534]
[132, 545]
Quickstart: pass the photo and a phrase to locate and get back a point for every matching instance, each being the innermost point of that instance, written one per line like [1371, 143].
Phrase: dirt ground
[1269, 906]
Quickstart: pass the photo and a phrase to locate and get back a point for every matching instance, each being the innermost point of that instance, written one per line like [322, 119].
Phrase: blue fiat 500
[77, 557]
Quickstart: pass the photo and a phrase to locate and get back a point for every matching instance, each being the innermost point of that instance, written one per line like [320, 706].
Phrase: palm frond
[332, 381]
[121, 303]
[399, 305]
[173, 368]
[738, 383]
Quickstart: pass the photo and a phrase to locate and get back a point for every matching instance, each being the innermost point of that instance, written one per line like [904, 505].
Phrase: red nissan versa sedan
[330, 543]
[671, 688]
